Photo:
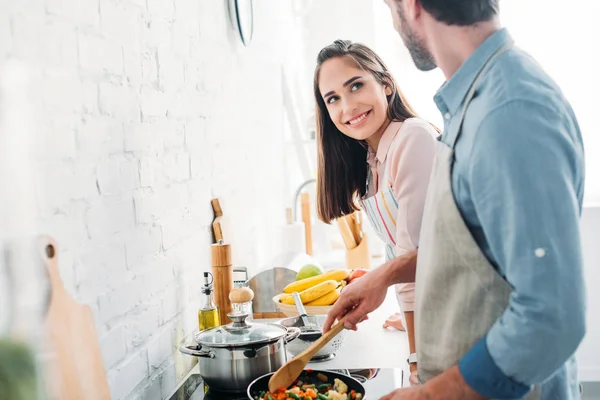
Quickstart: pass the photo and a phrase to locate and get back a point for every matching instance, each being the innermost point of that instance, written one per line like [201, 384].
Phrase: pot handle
[292, 333]
[194, 350]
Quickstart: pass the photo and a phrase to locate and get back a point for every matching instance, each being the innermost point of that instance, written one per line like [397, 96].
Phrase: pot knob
[239, 320]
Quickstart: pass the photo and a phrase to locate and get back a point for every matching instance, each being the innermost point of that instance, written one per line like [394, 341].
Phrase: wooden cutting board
[76, 367]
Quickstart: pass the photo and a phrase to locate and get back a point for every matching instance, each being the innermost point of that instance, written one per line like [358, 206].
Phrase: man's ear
[412, 9]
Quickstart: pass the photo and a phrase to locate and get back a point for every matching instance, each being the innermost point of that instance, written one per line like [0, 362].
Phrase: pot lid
[240, 333]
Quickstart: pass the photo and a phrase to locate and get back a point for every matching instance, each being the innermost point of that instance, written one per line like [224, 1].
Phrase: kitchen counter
[371, 346]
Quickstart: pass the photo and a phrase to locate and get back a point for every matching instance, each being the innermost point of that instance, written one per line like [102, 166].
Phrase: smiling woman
[373, 151]
[357, 98]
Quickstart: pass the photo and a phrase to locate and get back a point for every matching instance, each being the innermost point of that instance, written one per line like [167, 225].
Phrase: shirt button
[447, 115]
[539, 253]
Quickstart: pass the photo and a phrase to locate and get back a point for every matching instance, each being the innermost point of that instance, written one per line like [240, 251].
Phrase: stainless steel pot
[230, 357]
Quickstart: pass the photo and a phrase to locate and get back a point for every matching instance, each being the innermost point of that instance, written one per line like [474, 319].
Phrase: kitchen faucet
[298, 191]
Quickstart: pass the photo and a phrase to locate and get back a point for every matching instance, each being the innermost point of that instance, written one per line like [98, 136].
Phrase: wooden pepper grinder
[222, 270]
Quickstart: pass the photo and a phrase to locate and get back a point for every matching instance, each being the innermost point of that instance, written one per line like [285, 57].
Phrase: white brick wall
[145, 110]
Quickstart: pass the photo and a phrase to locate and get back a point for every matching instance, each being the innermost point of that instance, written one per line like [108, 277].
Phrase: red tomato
[357, 273]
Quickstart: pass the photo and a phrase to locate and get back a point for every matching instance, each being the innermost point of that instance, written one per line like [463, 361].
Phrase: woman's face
[356, 101]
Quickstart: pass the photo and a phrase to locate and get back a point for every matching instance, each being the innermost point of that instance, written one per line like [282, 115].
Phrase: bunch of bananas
[320, 290]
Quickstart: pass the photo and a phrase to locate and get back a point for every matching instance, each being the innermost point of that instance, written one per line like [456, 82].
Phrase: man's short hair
[461, 12]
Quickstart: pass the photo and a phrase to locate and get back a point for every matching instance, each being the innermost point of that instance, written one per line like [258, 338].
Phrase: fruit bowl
[291, 311]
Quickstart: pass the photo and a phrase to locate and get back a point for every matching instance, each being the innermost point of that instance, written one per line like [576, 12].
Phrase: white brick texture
[145, 110]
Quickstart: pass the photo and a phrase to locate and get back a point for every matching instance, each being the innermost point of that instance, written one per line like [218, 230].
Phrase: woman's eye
[331, 99]
[356, 86]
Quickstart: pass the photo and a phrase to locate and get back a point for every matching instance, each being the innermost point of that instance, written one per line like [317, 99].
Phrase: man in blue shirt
[500, 299]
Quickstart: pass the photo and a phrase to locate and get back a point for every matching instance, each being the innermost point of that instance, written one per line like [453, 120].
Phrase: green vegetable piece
[325, 387]
[293, 396]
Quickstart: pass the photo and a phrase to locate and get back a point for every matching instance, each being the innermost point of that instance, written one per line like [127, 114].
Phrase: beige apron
[459, 294]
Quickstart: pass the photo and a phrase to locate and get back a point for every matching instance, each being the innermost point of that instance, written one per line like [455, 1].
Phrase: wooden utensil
[358, 223]
[353, 228]
[290, 371]
[216, 224]
[305, 202]
[76, 368]
[346, 233]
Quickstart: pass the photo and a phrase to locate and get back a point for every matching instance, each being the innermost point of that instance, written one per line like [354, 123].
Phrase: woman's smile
[358, 120]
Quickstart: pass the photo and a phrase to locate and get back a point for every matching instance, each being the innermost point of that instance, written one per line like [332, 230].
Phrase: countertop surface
[371, 346]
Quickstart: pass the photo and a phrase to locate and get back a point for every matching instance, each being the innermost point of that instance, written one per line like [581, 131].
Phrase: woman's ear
[388, 84]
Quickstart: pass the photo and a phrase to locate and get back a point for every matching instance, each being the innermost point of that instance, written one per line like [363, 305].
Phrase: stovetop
[377, 383]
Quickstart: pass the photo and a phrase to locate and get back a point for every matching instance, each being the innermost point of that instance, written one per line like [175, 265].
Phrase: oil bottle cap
[207, 288]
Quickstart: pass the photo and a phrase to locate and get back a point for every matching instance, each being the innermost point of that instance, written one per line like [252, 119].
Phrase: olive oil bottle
[208, 314]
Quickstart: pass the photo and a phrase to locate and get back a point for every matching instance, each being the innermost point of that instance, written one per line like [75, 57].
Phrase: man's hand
[414, 393]
[448, 386]
[367, 293]
[358, 299]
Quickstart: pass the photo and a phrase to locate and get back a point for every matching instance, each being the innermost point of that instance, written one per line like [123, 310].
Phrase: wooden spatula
[290, 371]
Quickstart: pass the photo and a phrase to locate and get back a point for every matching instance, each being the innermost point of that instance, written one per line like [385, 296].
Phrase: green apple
[308, 271]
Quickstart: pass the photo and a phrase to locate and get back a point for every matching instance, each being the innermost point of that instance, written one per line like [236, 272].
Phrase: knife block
[359, 256]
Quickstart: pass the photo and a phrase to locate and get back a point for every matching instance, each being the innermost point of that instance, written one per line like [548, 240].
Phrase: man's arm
[525, 182]
[401, 269]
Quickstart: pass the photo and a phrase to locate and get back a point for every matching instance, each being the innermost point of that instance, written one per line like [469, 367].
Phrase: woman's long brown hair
[342, 161]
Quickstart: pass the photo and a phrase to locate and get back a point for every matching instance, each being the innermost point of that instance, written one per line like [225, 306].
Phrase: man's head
[409, 17]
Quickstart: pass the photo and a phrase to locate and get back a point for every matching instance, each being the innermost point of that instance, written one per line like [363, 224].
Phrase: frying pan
[262, 384]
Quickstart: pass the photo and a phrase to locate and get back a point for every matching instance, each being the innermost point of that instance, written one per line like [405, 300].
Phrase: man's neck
[452, 45]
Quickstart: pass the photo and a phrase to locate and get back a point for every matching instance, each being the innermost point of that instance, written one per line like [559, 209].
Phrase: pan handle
[292, 333]
[194, 350]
